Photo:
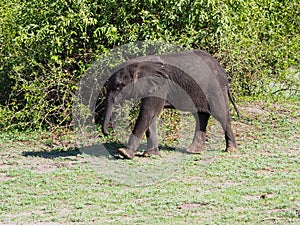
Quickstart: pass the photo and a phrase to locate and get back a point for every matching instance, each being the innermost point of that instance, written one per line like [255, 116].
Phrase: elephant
[191, 81]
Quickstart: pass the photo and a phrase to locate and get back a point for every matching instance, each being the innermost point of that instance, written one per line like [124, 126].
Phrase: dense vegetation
[46, 46]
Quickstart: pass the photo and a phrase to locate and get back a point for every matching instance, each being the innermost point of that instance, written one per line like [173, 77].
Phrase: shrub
[46, 46]
[262, 45]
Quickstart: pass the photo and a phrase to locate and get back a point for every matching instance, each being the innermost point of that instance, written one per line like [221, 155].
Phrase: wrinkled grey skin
[191, 81]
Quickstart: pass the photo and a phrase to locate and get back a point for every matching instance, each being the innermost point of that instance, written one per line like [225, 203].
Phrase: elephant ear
[150, 79]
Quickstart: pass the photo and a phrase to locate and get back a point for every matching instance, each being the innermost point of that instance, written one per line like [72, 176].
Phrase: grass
[44, 180]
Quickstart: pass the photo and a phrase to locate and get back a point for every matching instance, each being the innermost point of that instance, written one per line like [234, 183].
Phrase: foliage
[46, 46]
[262, 46]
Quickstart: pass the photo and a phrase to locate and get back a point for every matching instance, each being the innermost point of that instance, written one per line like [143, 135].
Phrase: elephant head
[131, 80]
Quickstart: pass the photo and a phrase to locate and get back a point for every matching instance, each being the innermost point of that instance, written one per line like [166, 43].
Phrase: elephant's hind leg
[198, 144]
[231, 145]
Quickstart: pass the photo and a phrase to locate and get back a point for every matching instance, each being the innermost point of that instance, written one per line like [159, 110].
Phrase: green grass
[43, 180]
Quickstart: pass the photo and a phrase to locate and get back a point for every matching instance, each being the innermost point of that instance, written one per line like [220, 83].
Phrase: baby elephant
[191, 81]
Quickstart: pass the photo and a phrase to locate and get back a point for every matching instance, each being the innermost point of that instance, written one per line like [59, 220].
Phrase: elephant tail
[233, 102]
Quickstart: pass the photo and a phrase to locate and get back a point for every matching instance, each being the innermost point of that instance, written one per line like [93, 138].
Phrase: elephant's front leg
[150, 109]
[152, 141]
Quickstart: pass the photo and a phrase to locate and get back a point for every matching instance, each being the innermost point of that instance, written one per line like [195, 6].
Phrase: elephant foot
[151, 152]
[127, 153]
[195, 150]
[230, 149]
[198, 145]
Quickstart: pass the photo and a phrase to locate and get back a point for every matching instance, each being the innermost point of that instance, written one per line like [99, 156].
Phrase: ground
[44, 179]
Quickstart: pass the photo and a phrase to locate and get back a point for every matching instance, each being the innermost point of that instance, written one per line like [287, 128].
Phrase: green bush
[262, 45]
[46, 46]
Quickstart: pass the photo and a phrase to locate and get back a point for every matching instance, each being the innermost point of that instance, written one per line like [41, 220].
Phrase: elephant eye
[119, 86]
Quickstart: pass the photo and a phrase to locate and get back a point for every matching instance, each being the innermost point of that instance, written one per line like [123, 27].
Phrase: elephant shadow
[108, 150]
[52, 154]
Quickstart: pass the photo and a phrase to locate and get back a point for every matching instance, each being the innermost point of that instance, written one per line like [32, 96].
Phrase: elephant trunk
[108, 112]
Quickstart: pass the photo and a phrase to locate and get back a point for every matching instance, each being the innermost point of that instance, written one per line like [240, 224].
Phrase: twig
[272, 218]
